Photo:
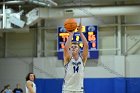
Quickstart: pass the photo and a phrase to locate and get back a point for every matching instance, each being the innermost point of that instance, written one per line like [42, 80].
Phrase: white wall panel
[133, 40]
[133, 19]
[133, 66]
[20, 44]
[107, 40]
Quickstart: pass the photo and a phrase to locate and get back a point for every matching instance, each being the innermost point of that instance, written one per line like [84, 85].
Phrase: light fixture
[51, 2]
[44, 3]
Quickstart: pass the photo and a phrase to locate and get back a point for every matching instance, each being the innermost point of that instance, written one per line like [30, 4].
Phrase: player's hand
[79, 28]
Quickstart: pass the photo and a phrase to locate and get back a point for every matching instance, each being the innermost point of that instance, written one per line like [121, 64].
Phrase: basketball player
[30, 85]
[74, 63]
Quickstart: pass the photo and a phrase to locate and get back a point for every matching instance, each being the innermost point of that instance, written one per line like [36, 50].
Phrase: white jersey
[33, 85]
[74, 75]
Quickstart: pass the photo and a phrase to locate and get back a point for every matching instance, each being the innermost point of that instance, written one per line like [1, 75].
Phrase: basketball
[70, 24]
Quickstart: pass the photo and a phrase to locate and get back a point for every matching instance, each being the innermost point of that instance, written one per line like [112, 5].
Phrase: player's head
[75, 47]
[18, 85]
[30, 76]
[7, 86]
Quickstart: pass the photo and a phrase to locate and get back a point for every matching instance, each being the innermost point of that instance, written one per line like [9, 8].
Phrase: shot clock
[91, 34]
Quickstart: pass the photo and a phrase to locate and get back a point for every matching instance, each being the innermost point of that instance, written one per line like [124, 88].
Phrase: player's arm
[67, 54]
[85, 44]
[30, 86]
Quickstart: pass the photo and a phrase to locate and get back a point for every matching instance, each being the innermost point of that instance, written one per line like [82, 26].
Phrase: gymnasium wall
[18, 44]
[110, 74]
[24, 44]
[14, 70]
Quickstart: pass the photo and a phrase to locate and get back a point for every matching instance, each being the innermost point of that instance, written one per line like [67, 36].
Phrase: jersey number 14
[75, 69]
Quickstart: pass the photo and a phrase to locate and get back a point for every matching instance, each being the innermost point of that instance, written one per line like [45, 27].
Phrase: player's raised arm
[67, 54]
[70, 25]
[85, 44]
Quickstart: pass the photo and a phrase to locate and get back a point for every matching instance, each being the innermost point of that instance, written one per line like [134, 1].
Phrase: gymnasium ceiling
[95, 2]
[73, 3]
[28, 5]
